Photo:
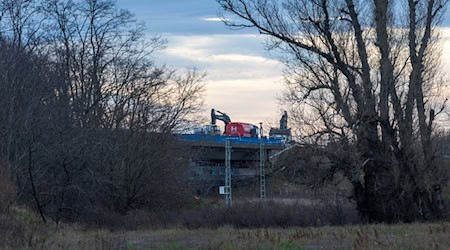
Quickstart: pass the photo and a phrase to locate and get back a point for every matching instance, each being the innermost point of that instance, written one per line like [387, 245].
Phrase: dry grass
[407, 236]
[209, 227]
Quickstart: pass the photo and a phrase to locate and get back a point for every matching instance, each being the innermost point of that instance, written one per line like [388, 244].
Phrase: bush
[241, 215]
[13, 232]
[23, 229]
[8, 190]
[271, 214]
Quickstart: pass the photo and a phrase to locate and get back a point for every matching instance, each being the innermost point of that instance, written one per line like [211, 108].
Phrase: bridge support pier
[262, 171]
[228, 196]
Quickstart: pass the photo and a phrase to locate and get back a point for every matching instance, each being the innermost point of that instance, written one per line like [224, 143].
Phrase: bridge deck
[235, 141]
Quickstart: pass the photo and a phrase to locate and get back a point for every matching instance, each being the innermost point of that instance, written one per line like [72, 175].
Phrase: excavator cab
[208, 130]
[212, 129]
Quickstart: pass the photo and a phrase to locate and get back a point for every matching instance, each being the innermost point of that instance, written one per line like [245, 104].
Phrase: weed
[398, 230]
[362, 240]
[174, 246]
[130, 246]
[288, 246]
[28, 217]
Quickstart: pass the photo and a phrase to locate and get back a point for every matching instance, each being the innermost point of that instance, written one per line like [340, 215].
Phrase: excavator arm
[220, 116]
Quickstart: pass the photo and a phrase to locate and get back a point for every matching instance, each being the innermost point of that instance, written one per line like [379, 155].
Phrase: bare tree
[109, 69]
[91, 40]
[27, 101]
[365, 73]
[86, 113]
[22, 22]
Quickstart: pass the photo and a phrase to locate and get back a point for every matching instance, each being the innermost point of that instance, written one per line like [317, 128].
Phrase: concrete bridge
[208, 159]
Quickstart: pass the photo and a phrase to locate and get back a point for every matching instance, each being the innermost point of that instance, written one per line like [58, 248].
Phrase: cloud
[212, 19]
[445, 35]
[241, 79]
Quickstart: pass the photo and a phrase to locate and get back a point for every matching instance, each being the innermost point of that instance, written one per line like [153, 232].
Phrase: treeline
[85, 111]
[365, 78]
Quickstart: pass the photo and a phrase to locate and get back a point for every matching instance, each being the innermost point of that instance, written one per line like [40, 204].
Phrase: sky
[243, 79]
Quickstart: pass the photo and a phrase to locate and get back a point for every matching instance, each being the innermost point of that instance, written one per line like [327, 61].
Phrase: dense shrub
[7, 188]
[99, 172]
[13, 232]
[243, 215]
[271, 214]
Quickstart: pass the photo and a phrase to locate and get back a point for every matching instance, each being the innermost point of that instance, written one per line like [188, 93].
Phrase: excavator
[222, 116]
[240, 129]
[213, 129]
[283, 131]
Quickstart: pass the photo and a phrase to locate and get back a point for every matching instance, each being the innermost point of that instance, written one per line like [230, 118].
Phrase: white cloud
[241, 77]
[212, 19]
[445, 34]
[242, 80]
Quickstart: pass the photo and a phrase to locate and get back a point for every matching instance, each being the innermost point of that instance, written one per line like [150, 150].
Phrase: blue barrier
[235, 139]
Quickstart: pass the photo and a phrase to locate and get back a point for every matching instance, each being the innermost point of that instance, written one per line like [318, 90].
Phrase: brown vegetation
[407, 236]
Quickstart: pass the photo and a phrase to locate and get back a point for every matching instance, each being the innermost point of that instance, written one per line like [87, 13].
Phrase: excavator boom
[222, 116]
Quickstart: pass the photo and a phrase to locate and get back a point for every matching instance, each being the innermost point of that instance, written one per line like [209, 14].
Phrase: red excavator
[233, 128]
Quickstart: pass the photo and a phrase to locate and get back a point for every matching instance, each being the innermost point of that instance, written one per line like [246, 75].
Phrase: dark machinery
[283, 131]
[234, 128]
[222, 116]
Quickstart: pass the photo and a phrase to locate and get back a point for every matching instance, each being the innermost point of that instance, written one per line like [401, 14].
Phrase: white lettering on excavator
[233, 129]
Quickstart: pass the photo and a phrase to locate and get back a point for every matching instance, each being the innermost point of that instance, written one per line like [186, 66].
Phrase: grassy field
[407, 236]
[246, 226]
